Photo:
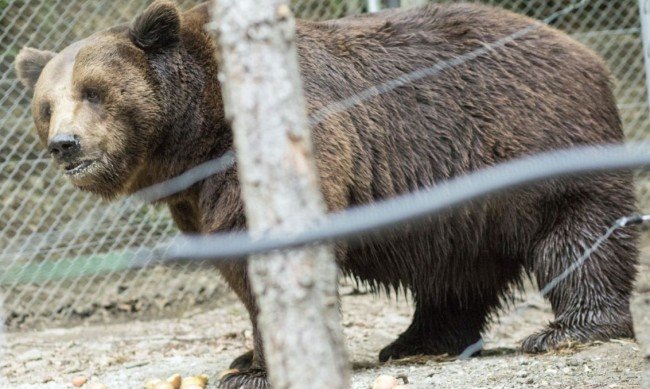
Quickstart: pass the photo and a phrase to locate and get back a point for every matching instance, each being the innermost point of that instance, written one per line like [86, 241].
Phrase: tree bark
[296, 291]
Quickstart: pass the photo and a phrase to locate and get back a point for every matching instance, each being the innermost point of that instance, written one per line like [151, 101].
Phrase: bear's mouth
[78, 167]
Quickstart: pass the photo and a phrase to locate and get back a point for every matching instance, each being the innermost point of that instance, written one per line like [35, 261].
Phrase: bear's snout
[64, 147]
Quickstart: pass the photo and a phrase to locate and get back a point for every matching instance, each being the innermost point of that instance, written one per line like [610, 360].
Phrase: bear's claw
[558, 334]
[250, 379]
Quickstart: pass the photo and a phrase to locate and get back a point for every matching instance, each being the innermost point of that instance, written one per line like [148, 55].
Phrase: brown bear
[138, 104]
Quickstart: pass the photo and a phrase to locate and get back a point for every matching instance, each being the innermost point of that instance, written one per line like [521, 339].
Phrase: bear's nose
[64, 146]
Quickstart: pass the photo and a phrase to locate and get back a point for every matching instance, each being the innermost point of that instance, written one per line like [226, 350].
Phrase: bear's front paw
[543, 341]
[400, 349]
[249, 379]
[405, 347]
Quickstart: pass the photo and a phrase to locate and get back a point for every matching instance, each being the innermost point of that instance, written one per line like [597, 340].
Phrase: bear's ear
[30, 63]
[157, 27]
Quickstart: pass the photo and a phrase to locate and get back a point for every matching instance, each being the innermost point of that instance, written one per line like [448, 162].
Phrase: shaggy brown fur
[159, 99]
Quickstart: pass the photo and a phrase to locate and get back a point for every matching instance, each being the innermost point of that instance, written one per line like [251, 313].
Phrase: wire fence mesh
[61, 250]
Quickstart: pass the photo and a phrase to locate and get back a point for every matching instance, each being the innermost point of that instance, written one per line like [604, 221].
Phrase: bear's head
[107, 108]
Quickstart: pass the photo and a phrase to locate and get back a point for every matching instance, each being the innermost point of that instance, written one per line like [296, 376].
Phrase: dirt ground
[204, 342]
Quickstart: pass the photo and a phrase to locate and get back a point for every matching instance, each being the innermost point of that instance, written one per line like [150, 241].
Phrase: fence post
[644, 16]
[374, 6]
[296, 291]
[3, 340]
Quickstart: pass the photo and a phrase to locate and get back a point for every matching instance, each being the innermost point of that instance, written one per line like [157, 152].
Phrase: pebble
[385, 382]
[152, 382]
[175, 380]
[79, 381]
[200, 381]
[30, 355]
[38, 364]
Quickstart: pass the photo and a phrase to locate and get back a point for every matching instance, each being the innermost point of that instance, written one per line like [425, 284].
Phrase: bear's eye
[46, 111]
[91, 95]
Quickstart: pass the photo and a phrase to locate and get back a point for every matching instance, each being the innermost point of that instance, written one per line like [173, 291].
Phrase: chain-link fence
[62, 251]
[60, 248]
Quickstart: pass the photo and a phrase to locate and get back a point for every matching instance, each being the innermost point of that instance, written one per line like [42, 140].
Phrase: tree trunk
[296, 291]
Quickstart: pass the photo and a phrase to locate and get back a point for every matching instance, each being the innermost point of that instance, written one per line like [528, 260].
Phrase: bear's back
[433, 92]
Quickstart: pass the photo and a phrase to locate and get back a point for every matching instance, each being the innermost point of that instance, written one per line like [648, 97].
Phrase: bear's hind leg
[592, 302]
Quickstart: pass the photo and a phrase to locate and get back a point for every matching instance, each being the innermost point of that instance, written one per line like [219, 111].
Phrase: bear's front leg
[251, 367]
